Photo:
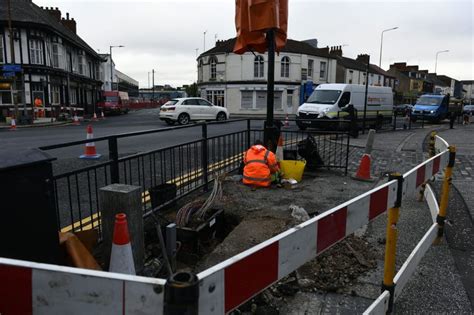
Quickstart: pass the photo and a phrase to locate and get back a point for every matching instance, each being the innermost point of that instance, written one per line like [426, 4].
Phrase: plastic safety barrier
[41, 288]
[33, 288]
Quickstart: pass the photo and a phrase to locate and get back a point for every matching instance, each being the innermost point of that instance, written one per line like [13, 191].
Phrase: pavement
[444, 280]
[39, 122]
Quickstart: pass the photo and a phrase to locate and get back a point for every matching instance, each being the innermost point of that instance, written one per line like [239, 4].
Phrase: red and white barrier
[33, 288]
[423, 172]
[230, 283]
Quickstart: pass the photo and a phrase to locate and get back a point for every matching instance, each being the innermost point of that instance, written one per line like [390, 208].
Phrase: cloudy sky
[164, 34]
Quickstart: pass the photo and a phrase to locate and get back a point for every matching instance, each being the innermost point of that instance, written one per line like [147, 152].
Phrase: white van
[330, 101]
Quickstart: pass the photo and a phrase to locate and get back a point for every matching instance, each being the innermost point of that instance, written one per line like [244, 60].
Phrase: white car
[183, 110]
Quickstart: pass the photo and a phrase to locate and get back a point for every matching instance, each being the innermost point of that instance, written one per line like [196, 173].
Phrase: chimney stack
[54, 12]
[364, 58]
[69, 23]
[336, 51]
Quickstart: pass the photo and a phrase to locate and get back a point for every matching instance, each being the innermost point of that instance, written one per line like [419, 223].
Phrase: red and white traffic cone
[363, 172]
[90, 152]
[94, 118]
[121, 257]
[279, 150]
[13, 124]
[76, 120]
[102, 116]
[287, 122]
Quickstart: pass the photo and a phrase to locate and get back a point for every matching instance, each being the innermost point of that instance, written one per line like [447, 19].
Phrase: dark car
[468, 109]
[401, 109]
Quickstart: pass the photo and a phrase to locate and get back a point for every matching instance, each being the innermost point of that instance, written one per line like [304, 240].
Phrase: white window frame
[258, 67]
[82, 64]
[56, 56]
[213, 68]
[36, 52]
[55, 94]
[322, 69]
[310, 68]
[285, 67]
[73, 96]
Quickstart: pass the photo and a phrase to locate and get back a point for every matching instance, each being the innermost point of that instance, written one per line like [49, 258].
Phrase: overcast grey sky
[164, 34]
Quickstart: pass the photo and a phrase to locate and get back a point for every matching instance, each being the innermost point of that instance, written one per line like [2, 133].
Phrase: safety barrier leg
[181, 294]
[431, 153]
[443, 205]
[391, 242]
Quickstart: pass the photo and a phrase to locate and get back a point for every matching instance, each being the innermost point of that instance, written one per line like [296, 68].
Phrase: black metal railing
[190, 166]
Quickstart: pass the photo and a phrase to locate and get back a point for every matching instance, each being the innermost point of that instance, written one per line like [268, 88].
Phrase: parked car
[468, 109]
[186, 109]
[401, 109]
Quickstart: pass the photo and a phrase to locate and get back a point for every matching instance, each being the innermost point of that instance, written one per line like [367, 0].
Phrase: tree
[192, 90]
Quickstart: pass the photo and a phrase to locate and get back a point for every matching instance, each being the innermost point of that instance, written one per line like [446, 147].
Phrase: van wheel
[379, 122]
[183, 119]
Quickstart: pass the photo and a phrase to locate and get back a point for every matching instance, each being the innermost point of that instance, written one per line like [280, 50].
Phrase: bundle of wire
[199, 208]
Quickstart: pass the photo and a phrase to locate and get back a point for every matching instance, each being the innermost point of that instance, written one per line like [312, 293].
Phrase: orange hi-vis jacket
[260, 163]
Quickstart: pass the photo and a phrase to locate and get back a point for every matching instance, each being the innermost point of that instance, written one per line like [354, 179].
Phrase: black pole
[366, 92]
[153, 85]
[270, 132]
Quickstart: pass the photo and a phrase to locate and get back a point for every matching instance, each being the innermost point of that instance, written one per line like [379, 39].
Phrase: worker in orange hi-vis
[253, 18]
[39, 106]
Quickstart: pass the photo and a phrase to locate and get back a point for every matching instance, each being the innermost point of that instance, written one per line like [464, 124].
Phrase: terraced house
[59, 68]
[239, 82]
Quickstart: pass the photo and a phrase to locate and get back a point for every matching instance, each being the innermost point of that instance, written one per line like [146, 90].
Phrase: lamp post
[437, 53]
[111, 67]
[204, 40]
[381, 43]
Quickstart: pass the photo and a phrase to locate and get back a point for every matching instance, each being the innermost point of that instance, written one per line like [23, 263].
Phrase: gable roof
[27, 13]
[292, 46]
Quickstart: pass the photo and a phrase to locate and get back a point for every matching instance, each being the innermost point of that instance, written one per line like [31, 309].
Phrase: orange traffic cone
[287, 122]
[121, 257]
[363, 172]
[76, 120]
[102, 114]
[13, 124]
[95, 117]
[279, 150]
[90, 152]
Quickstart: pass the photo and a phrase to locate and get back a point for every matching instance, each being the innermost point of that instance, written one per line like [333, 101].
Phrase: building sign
[11, 68]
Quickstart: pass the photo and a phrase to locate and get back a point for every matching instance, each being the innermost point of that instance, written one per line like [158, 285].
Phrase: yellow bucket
[292, 169]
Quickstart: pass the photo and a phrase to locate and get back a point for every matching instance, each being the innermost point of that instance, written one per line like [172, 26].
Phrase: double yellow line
[94, 220]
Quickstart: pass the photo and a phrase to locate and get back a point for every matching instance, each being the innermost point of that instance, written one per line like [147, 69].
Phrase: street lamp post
[437, 53]
[381, 43]
[111, 67]
[204, 40]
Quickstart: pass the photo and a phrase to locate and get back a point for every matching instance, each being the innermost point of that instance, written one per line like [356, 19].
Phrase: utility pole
[12, 57]
[153, 84]
[148, 79]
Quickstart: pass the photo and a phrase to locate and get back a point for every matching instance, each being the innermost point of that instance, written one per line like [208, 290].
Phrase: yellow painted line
[89, 221]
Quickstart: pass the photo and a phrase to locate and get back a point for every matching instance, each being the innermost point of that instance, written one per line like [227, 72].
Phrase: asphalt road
[134, 121]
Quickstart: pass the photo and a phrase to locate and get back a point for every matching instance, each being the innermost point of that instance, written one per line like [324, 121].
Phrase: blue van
[431, 107]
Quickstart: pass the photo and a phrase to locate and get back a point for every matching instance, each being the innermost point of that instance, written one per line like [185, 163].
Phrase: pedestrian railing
[190, 166]
[229, 284]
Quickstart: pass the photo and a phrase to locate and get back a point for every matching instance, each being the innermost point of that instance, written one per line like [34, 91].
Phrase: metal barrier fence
[190, 166]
